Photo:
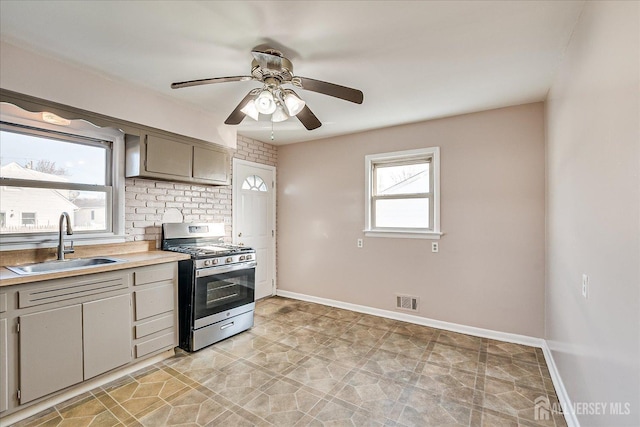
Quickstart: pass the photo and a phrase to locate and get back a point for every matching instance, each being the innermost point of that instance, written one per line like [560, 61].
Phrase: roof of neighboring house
[414, 184]
[89, 203]
[15, 171]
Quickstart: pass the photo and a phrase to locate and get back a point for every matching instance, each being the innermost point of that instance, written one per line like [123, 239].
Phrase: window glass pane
[37, 210]
[46, 159]
[402, 213]
[402, 179]
[254, 183]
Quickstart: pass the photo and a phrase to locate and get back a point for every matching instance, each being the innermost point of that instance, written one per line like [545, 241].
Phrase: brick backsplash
[147, 201]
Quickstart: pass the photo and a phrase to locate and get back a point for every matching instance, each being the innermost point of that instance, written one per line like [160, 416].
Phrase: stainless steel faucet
[61, 248]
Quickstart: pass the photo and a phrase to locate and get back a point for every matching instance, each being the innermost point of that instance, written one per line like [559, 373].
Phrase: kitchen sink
[65, 265]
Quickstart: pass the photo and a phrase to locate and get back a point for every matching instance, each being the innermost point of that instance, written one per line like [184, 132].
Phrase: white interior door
[254, 225]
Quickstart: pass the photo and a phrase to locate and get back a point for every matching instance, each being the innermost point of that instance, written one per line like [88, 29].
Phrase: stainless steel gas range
[216, 287]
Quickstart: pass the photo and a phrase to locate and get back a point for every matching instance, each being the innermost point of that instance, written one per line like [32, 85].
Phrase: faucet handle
[69, 250]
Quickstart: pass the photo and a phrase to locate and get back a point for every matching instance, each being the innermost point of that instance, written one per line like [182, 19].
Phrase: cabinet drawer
[70, 289]
[3, 302]
[153, 274]
[153, 326]
[154, 301]
[167, 340]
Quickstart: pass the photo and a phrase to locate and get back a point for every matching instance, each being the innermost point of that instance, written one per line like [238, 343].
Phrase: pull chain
[272, 136]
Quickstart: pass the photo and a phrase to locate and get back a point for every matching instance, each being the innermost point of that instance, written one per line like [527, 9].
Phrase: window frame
[15, 119]
[398, 158]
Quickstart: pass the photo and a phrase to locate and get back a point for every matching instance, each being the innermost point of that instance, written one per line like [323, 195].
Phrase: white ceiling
[414, 60]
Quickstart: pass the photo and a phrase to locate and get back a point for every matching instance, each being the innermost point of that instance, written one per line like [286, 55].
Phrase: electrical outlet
[585, 286]
[434, 247]
[359, 243]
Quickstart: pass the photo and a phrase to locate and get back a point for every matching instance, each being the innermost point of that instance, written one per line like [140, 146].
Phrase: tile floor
[305, 364]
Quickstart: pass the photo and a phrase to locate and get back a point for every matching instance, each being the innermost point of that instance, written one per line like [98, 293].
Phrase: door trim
[236, 187]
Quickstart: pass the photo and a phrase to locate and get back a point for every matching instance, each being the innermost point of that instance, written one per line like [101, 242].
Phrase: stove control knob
[215, 261]
[241, 257]
[207, 262]
[249, 257]
[229, 259]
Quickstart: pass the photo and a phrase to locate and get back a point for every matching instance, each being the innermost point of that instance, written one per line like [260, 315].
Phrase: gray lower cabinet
[106, 334]
[155, 323]
[67, 345]
[4, 363]
[58, 333]
[50, 351]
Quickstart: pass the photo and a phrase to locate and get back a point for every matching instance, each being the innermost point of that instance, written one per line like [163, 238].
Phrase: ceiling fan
[273, 70]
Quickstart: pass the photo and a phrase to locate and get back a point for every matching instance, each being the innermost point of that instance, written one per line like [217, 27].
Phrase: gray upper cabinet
[168, 157]
[184, 160]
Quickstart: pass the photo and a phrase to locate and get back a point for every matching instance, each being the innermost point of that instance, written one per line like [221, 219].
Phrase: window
[254, 183]
[28, 218]
[402, 194]
[46, 170]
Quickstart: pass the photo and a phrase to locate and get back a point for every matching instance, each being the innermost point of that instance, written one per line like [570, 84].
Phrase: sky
[84, 164]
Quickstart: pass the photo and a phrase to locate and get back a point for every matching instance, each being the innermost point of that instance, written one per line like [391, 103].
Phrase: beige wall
[489, 272]
[593, 211]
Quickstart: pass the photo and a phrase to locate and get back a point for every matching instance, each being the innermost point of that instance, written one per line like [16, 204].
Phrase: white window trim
[369, 160]
[12, 114]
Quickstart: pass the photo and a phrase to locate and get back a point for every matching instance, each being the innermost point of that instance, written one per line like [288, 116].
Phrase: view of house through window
[44, 174]
[402, 195]
[402, 192]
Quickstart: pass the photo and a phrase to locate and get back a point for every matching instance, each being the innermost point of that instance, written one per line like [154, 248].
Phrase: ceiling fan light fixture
[251, 110]
[293, 103]
[264, 102]
[280, 115]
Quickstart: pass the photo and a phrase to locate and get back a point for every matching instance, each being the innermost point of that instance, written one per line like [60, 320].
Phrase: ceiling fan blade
[308, 119]
[199, 82]
[267, 60]
[331, 89]
[236, 115]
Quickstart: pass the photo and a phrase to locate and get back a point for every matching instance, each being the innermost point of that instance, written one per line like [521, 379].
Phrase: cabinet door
[107, 334]
[168, 157]
[50, 351]
[154, 301]
[212, 165]
[4, 361]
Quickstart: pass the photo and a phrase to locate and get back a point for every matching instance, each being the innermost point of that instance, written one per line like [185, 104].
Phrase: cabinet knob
[239, 234]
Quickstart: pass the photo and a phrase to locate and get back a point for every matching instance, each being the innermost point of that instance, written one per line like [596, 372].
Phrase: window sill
[431, 235]
[10, 243]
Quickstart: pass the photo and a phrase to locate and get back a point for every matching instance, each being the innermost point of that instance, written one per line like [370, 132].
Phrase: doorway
[254, 218]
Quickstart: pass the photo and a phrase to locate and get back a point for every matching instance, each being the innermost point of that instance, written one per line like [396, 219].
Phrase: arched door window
[254, 183]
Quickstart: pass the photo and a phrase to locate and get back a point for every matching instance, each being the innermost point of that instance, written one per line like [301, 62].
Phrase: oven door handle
[225, 269]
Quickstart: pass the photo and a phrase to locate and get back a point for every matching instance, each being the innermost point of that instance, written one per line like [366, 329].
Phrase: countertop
[132, 260]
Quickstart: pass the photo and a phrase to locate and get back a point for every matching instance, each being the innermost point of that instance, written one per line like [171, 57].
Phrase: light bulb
[293, 103]
[279, 115]
[265, 104]
[251, 110]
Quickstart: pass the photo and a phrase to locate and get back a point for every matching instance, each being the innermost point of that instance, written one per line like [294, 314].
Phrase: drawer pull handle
[228, 325]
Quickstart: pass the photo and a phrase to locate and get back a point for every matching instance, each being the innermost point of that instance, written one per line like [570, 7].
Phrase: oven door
[220, 289]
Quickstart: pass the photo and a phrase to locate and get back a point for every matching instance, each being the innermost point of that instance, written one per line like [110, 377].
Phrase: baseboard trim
[83, 388]
[563, 396]
[424, 321]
